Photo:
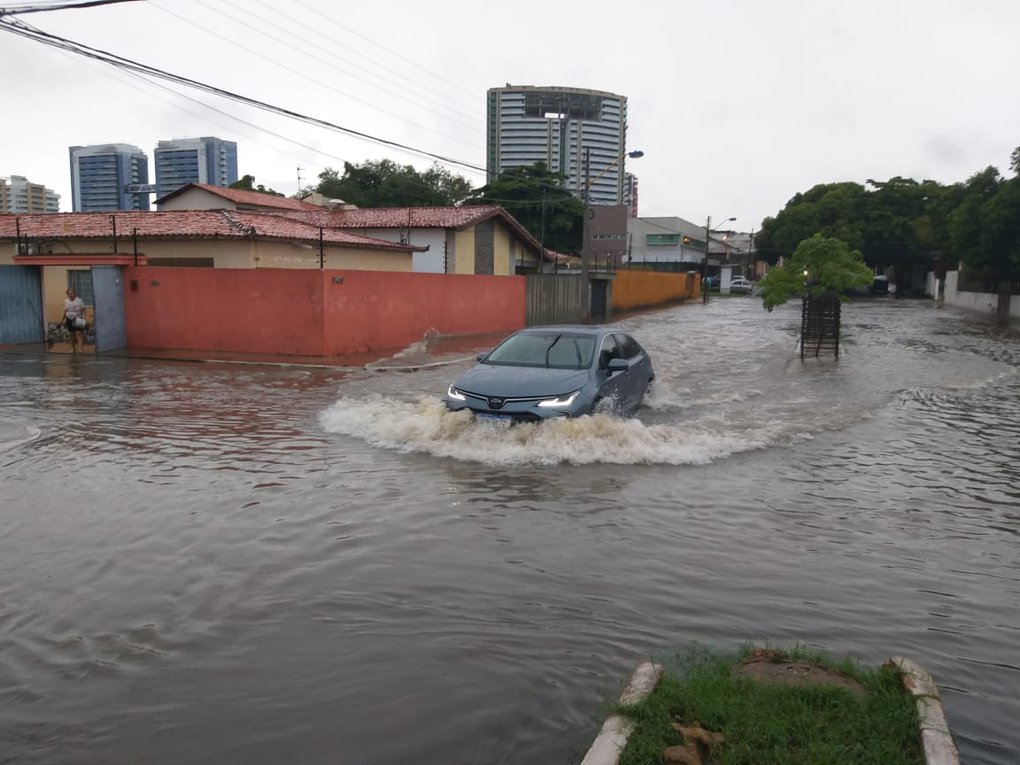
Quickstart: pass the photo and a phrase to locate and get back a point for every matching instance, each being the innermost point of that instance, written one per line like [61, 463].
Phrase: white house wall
[982, 302]
[432, 261]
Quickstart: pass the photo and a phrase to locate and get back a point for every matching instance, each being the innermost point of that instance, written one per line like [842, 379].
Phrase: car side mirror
[481, 356]
[617, 365]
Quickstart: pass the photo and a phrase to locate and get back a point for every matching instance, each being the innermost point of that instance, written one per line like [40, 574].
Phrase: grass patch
[767, 722]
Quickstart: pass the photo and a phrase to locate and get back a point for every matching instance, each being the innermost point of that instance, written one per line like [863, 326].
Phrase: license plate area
[493, 420]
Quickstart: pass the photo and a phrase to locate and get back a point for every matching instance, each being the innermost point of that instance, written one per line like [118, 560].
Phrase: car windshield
[556, 350]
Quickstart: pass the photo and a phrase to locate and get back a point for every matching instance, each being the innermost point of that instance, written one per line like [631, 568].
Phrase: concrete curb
[609, 744]
[936, 740]
[382, 367]
[372, 366]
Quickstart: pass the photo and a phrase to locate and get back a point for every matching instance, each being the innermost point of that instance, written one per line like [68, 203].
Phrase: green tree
[384, 183]
[969, 235]
[537, 198]
[984, 231]
[818, 266]
[830, 209]
[247, 183]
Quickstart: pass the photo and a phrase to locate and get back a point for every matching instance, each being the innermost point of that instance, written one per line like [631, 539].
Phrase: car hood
[520, 382]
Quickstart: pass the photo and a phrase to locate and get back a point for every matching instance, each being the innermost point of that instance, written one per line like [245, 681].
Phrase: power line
[23, 30]
[303, 74]
[37, 8]
[400, 81]
[228, 115]
[395, 54]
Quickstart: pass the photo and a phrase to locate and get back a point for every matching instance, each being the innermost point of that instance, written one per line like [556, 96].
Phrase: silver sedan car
[563, 371]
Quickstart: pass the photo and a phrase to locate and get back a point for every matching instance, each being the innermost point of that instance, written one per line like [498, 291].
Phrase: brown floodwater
[217, 563]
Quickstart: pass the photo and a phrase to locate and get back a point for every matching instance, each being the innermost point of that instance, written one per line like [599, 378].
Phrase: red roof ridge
[243, 196]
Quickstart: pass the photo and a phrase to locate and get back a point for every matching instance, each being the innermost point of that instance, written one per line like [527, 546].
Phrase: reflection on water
[215, 563]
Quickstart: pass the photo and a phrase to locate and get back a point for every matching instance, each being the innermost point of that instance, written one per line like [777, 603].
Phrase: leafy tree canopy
[384, 183]
[247, 183]
[984, 227]
[831, 209]
[818, 266]
[537, 198]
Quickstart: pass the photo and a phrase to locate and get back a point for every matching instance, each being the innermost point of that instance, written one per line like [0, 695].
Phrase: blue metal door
[108, 289]
[21, 312]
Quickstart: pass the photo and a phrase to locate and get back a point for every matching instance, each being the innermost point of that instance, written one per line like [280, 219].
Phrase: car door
[639, 371]
[613, 386]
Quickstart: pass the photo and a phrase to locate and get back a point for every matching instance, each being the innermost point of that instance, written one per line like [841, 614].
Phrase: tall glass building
[208, 160]
[528, 124]
[101, 174]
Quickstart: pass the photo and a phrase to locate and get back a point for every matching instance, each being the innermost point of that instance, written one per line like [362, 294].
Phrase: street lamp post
[704, 262]
[588, 183]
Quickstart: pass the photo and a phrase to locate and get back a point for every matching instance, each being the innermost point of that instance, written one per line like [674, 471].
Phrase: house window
[81, 282]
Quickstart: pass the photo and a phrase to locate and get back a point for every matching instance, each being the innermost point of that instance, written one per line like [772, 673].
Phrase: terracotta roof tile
[181, 224]
[413, 217]
[244, 197]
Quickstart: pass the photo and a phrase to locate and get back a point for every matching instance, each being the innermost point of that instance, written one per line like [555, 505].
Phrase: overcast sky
[737, 105]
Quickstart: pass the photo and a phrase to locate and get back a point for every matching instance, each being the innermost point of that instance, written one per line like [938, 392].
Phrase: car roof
[573, 329]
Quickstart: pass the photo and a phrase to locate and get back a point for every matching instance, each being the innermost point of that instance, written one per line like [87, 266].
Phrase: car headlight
[455, 394]
[565, 400]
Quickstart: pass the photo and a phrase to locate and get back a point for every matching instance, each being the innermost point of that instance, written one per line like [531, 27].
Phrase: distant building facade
[558, 126]
[18, 195]
[676, 244]
[101, 175]
[207, 160]
[630, 194]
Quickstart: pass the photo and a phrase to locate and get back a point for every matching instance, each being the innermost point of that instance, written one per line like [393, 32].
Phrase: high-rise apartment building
[101, 175]
[560, 126]
[194, 160]
[18, 195]
[630, 194]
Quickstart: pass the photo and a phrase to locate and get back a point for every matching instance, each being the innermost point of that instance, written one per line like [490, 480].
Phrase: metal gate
[108, 288]
[599, 300]
[21, 312]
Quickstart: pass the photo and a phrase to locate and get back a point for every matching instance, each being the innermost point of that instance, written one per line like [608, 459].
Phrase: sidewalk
[430, 352]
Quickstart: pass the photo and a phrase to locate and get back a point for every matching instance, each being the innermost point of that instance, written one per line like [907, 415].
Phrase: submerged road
[235, 564]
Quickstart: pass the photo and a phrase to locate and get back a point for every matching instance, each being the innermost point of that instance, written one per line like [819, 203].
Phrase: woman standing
[74, 320]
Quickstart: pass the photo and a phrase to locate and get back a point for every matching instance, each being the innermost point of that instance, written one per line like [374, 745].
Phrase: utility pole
[586, 190]
[704, 262]
[299, 179]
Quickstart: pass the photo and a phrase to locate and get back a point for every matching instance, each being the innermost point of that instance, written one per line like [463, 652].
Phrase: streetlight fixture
[704, 263]
[585, 244]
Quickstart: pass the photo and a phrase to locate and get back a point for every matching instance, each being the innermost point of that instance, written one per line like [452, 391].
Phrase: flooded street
[216, 563]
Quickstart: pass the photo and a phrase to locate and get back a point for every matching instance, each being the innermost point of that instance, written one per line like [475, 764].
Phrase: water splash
[426, 426]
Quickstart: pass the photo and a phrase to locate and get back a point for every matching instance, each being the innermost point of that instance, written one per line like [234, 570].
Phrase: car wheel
[598, 406]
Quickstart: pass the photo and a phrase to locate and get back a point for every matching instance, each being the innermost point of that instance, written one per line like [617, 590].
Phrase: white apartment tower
[559, 126]
[18, 195]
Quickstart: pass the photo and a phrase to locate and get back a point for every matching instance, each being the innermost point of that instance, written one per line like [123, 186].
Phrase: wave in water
[426, 426]
[11, 437]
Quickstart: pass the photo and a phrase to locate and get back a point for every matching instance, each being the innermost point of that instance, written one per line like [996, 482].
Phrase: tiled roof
[181, 224]
[413, 217]
[243, 197]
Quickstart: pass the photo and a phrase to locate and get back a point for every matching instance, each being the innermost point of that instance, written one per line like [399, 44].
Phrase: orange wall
[632, 289]
[310, 312]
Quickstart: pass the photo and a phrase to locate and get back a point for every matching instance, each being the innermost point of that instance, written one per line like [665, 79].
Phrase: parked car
[741, 284]
[564, 371]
